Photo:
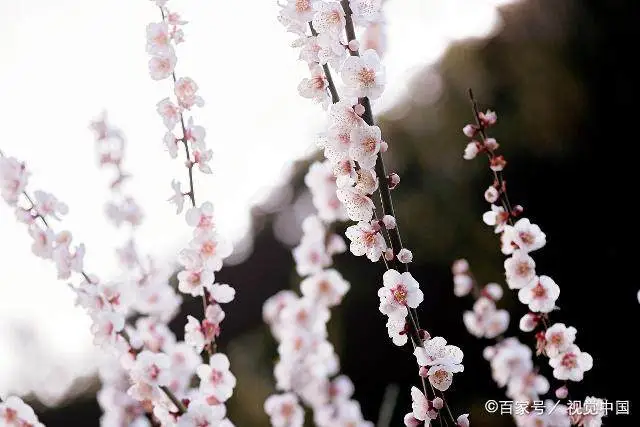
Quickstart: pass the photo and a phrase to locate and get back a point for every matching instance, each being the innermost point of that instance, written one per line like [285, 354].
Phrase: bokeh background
[561, 74]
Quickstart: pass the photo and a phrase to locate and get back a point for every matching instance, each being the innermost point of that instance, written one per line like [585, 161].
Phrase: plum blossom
[47, 205]
[359, 207]
[327, 287]
[158, 38]
[365, 145]
[216, 380]
[105, 328]
[571, 364]
[497, 217]
[399, 291]
[212, 249]
[366, 240]
[420, 405]
[522, 235]
[365, 12]
[149, 371]
[201, 414]
[193, 281]
[520, 269]
[443, 361]
[540, 294]
[363, 75]
[201, 218]
[186, 92]
[485, 320]
[14, 412]
[162, 64]
[559, 338]
[315, 87]
[169, 112]
[178, 196]
[13, 179]
[284, 410]
[397, 331]
[329, 17]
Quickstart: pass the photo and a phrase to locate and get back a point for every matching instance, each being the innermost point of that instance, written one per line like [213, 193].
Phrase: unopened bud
[354, 45]
[562, 392]
[359, 109]
[393, 180]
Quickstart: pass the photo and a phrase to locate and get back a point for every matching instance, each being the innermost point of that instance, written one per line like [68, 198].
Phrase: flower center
[367, 77]
[209, 248]
[527, 238]
[569, 361]
[539, 291]
[287, 410]
[324, 287]
[556, 339]
[370, 144]
[400, 294]
[302, 5]
[522, 268]
[215, 377]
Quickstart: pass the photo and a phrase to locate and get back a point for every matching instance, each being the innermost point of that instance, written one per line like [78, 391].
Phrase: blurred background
[561, 75]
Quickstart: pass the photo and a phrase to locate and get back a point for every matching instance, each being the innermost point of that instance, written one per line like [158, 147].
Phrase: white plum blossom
[327, 287]
[571, 364]
[186, 92]
[559, 338]
[363, 75]
[162, 64]
[178, 196]
[169, 112]
[366, 240]
[443, 361]
[540, 294]
[497, 217]
[522, 235]
[329, 17]
[419, 404]
[284, 410]
[216, 380]
[149, 371]
[13, 179]
[105, 328]
[399, 292]
[529, 322]
[315, 87]
[365, 145]
[520, 269]
[471, 151]
[201, 414]
[397, 331]
[158, 38]
[193, 281]
[299, 10]
[485, 320]
[212, 249]
[359, 207]
[405, 256]
[15, 413]
[366, 12]
[462, 285]
[201, 218]
[47, 205]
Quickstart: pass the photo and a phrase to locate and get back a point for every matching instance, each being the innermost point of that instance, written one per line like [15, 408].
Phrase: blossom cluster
[308, 368]
[352, 145]
[206, 251]
[520, 238]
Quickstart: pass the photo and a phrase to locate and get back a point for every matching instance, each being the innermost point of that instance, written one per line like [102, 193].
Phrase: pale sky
[64, 62]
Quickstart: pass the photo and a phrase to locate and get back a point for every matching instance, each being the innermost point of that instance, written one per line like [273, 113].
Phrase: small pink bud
[389, 222]
[424, 335]
[491, 195]
[463, 420]
[405, 256]
[359, 109]
[562, 392]
[470, 130]
[489, 118]
[384, 146]
[493, 291]
[423, 372]
[460, 266]
[517, 210]
[388, 254]
[491, 144]
[471, 150]
[438, 403]
[393, 180]
[354, 45]
[528, 322]
[498, 163]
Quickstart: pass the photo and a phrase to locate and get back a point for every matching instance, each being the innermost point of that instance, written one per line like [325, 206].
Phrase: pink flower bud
[491, 144]
[463, 420]
[388, 254]
[384, 146]
[517, 210]
[562, 392]
[491, 195]
[424, 335]
[460, 266]
[354, 45]
[389, 222]
[405, 256]
[498, 163]
[438, 403]
[359, 109]
[470, 130]
[393, 180]
[489, 118]
[471, 151]
[493, 291]
[423, 372]
[528, 322]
